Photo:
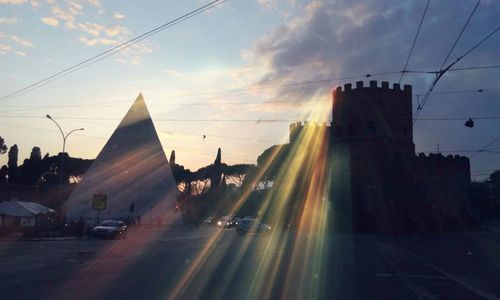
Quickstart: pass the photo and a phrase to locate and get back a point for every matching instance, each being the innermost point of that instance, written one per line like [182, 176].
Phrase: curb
[21, 239]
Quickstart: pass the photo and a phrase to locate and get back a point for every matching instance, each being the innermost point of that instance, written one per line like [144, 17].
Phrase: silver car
[110, 229]
[251, 226]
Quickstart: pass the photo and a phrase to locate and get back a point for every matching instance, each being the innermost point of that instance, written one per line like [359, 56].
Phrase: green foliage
[171, 161]
[36, 154]
[3, 147]
[13, 152]
[495, 178]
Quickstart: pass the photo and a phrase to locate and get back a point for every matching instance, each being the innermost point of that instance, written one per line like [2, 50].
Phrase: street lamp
[64, 136]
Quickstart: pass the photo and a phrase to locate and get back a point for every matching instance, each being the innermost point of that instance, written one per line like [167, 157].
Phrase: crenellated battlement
[436, 164]
[297, 127]
[439, 157]
[360, 86]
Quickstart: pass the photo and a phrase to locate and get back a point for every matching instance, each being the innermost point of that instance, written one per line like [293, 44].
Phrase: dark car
[228, 222]
[110, 229]
[210, 221]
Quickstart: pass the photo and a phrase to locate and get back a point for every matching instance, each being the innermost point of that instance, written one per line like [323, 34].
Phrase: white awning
[15, 208]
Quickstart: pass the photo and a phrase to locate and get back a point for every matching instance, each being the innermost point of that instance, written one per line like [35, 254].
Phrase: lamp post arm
[62, 133]
[66, 136]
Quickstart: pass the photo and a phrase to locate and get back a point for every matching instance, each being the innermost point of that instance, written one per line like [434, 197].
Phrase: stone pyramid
[133, 171]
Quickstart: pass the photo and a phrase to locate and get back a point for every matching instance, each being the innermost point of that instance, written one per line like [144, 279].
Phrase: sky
[224, 72]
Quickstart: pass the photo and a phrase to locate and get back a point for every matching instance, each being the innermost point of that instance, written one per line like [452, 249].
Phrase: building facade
[377, 182]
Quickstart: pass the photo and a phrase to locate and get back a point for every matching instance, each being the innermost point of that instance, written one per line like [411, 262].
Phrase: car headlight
[219, 223]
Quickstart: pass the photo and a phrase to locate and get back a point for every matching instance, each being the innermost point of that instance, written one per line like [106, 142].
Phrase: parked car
[110, 229]
[252, 226]
[228, 222]
[210, 221]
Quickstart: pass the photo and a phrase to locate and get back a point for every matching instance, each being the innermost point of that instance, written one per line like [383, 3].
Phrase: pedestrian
[89, 228]
[79, 228]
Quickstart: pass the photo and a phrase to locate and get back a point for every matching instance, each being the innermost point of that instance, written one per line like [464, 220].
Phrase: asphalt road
[207, 263]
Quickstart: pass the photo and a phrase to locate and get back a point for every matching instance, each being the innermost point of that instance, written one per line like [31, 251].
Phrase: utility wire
[160, 119]
[442, 72]
[463, 91]
[486, 146]
[460, 34]
[257, 87]
[414, 41]
[113, 103]
[454, 69]
[263, 87]
[460, 118]
[258, 121]
[111, 51]
[298, 83]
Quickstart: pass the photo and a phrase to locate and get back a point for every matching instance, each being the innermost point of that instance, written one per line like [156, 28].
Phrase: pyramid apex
[138, 112]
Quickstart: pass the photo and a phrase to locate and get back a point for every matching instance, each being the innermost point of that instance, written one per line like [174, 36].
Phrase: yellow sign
[99, 201]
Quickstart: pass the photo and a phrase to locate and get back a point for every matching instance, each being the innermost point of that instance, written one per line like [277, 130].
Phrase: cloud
[13, 2]
[95, 2]
[173, 72]
[8, 20]
[122, 61]
[115, 30]
[97, 41]
[21, 41]
[67, 14]
[95, 29]
[5, 47]
[118, 15]
[50, 21]
[91, 28]
[133, 61]
[332, 39]
[344, 38]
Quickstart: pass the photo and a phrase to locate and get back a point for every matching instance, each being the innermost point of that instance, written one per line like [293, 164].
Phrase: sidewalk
[21, 238]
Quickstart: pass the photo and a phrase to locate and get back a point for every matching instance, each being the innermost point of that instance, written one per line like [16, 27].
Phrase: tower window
[353, 129]
[371, 127]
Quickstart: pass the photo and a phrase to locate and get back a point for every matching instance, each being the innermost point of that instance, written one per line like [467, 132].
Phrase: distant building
[134, 174]
[378, 184]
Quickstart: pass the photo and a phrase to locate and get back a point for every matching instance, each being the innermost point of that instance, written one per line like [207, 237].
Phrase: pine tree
[171, 161]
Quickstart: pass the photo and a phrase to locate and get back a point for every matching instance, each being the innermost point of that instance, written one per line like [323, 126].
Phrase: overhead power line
[442, 72]
[160, 119]
[257, 121]
[246, 89]
[485, 147]
[463, 91]
[455, 69]
[460, 118]
[111, 51]
[414, 41]
[460, 34]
